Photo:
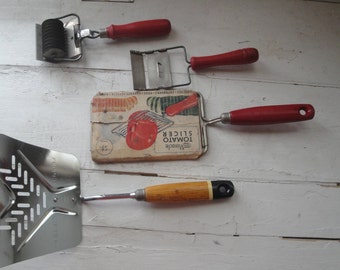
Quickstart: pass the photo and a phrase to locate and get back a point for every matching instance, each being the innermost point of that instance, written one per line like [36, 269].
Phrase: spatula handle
[238, 57]
[141, 29]
[269, 114]
[189, 191]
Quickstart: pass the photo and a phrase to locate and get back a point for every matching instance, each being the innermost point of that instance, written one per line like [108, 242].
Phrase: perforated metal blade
[40, 206]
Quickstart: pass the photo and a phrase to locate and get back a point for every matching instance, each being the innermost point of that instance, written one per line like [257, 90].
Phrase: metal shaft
[138, 195]
[224, 118]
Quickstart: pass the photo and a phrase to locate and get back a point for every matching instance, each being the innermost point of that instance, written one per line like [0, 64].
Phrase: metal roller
[53, 39]
[60, 39]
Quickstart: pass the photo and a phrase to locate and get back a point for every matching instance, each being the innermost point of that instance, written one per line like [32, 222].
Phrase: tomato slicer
[169, 124]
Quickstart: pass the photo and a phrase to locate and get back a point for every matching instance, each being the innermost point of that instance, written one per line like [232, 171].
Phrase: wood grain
[179, 192]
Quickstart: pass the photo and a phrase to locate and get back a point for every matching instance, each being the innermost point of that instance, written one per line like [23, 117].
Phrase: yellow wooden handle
[179, 192]
[176, 192]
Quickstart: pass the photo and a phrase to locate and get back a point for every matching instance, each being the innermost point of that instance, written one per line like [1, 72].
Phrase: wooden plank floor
[285, 213]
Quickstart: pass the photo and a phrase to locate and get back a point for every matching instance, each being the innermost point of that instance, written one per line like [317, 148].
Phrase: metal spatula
[40, 202]
[39, 205]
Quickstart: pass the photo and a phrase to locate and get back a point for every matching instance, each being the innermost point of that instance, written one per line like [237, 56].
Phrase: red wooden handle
[238, 57]
[186, 103]
[272, 114]
[141, 29]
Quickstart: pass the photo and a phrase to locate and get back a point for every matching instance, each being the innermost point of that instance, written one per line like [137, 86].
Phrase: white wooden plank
[51, 108]
[258, 209]
[302, 49]
[113, 248]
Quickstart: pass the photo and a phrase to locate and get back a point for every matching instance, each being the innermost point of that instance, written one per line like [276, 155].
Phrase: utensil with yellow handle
[175, 192]
[40, 201]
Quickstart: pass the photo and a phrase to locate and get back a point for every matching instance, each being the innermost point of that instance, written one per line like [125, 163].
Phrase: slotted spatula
[40, 202]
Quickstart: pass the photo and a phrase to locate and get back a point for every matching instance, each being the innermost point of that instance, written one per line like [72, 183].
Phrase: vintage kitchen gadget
[60, 39]
[152, 70]
[168, 125]
[40, 202]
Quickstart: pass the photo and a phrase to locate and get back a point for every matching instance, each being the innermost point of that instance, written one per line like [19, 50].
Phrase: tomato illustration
[141, 134]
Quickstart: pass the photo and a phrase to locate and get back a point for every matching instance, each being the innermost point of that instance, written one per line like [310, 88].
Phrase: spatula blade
[42, 212]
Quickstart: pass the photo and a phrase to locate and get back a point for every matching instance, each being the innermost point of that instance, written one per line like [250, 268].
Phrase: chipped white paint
[286, 176]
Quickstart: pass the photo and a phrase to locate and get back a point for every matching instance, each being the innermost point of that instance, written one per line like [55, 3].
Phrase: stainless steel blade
[38, 42]
[151, 70]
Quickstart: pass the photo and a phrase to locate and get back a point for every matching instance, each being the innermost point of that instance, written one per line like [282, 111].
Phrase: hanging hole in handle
[306, 111]
[303, 111]
[222, 189]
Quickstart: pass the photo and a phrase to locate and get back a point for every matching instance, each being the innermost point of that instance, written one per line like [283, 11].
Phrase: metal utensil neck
[139, 195]
[224, 118]
[88, 33]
